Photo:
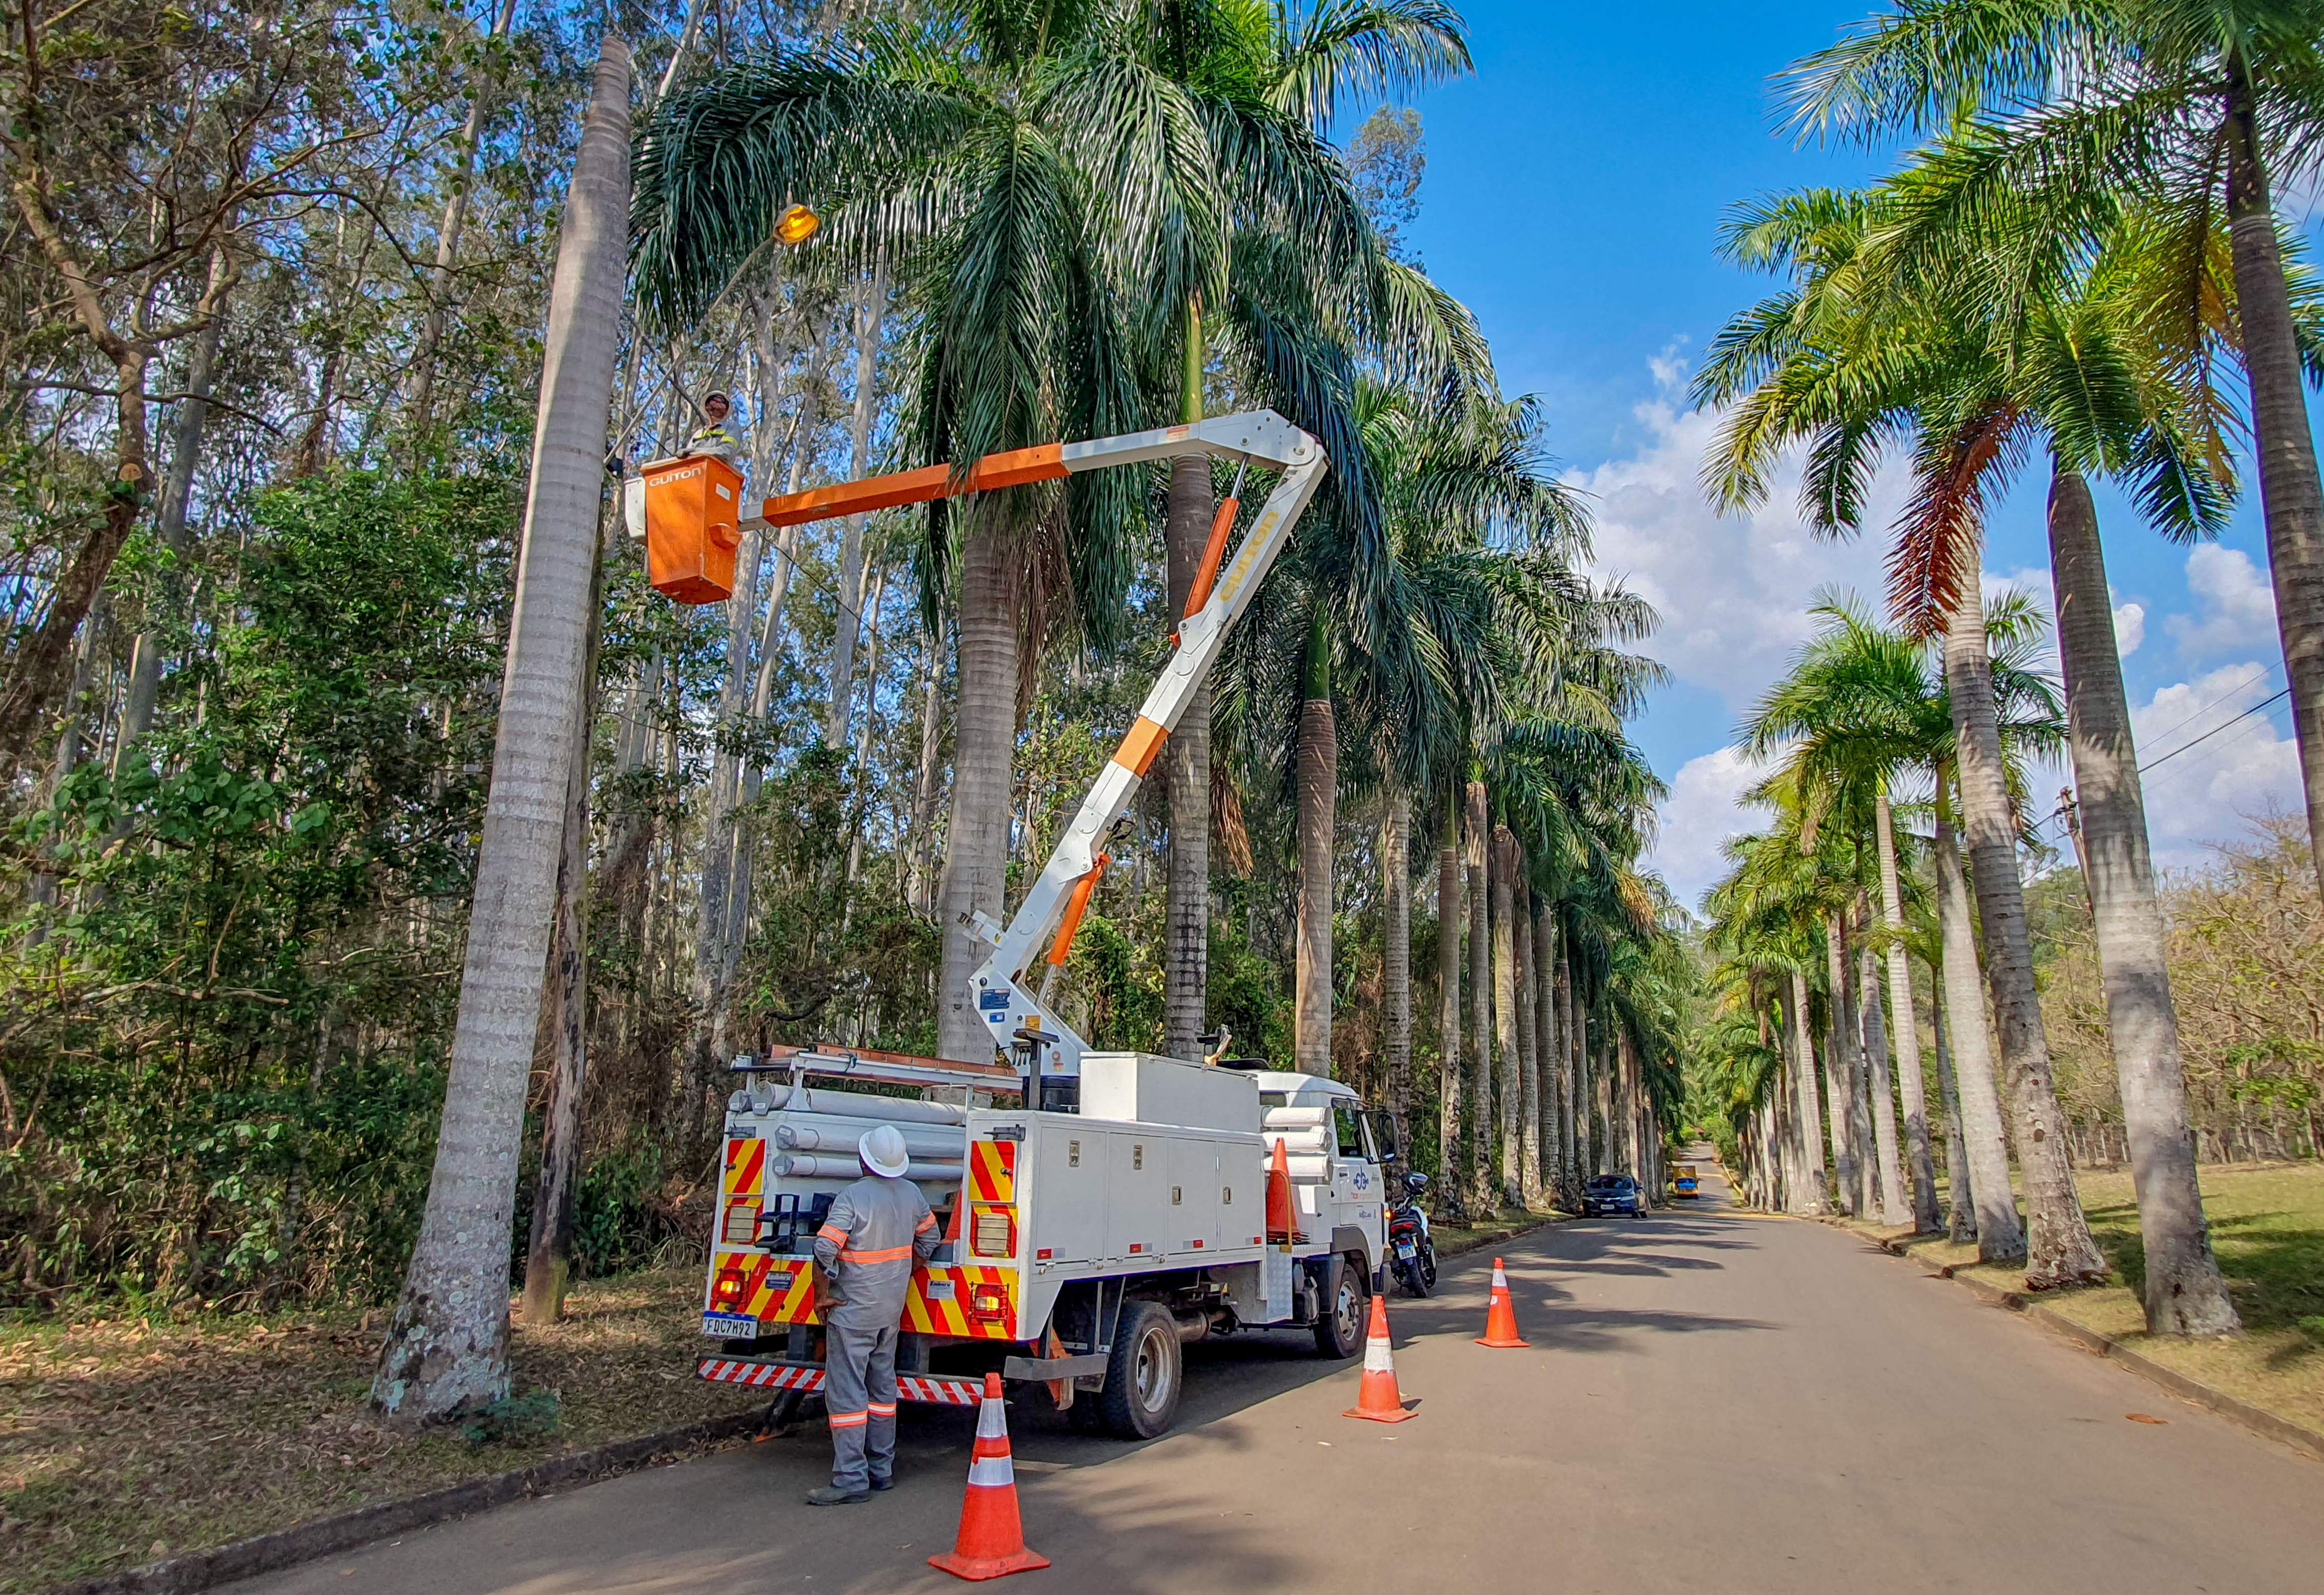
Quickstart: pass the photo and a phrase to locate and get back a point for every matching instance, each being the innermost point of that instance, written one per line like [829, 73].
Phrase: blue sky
[1573, 192]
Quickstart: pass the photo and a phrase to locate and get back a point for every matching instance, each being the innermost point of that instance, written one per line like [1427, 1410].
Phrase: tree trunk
[871, 316]
[1187, 759]
[1919, 1155]
[1319, 786]
[1960, 1218]
[1528, 1039]
[2059, 1249]
[169, 521]
[1545, 1043]
[447, 1347]
[1895, 1210]
[1839, 1066]
[984, 739]
[1998, 1237]
[924, 778]
[1570, 1173]
[1508, 1076]
[548, 1256]
[447, 233]
[2184, 1292]
[1451, 1181]
[2292, 500]
[1480, 1002]
[1811, 1197]
[1396, 956]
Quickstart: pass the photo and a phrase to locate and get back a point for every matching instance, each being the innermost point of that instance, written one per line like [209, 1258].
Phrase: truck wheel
[1339, 1332]
[1140, 1398]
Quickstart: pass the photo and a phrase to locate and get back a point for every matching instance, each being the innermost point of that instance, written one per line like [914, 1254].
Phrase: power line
[2264, 672]
[2215, 731]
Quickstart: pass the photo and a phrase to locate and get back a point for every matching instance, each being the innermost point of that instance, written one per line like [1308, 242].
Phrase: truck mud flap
[936, 1389]
[1089, 1366]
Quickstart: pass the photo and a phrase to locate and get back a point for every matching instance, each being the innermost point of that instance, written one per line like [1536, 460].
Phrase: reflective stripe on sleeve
[927, 1221]
[837, 1237]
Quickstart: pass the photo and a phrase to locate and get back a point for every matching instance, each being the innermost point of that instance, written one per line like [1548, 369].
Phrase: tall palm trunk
[447, 1347]
[1809, 1197]
[1960, 1218]
[1839, 1066]
[1859, 1093]
[1450, 1183]
[1919, 1156]
[1998, 1237]
[1569, 1025]
[2059, 1249]
[1528, 1040]
[1187, 761]
[2291, 496]
[2184, 1292]
[984, 738]
[1396, 956]
[1547, 1042]
[1894, 1209]
[1508, 1081]
[1319, 787]
[1480, 1004]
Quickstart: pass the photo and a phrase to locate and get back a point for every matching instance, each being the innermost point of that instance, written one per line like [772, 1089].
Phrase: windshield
[1608, 1182]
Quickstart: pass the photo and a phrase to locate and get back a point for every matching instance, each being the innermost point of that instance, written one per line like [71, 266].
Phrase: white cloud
[2129, 627]
[2236, 608]
[1704, 809]
[1733, 590]
[2204, 794]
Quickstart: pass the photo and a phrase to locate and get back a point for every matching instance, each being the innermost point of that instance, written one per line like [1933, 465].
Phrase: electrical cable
[2215, 731]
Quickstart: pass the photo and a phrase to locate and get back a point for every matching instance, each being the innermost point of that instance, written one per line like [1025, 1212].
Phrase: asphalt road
[1710, 1402]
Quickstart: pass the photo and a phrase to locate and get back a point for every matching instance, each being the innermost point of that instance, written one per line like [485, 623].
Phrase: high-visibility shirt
[723, 438]
[863, 1254]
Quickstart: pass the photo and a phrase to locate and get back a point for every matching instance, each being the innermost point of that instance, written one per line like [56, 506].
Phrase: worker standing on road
[879, 1228]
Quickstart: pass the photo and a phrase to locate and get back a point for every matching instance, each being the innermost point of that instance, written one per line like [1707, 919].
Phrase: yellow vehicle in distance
[1683, 1180]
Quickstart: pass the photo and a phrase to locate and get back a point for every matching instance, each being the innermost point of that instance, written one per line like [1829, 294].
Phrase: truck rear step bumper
[938, 1389]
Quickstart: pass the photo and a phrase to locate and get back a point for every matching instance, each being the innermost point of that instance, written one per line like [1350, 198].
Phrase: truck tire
[1143, 1378]
[1340, 1330]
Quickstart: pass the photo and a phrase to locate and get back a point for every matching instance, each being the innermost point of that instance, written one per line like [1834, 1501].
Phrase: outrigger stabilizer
[681, 524]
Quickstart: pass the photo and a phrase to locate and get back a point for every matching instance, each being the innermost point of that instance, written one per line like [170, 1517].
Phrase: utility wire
[2261, 674]
[2215, 731]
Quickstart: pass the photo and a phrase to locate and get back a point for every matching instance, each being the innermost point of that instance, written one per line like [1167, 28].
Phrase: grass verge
[2267, 1227]
[124, 1441]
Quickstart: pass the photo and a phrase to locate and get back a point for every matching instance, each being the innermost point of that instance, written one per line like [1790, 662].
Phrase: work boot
[887, 1483]
[831, 1494]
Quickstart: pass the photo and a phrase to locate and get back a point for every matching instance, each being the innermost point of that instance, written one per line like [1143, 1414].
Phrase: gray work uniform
[878, 1230]
[722, 438]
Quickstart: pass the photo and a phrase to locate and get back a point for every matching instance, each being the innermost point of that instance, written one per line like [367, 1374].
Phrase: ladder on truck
[688, 512]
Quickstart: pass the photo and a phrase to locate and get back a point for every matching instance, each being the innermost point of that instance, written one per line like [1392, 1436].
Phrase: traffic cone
[991, 1544]
[1501, 1316]
[1282, 1216]
[1378, 1398]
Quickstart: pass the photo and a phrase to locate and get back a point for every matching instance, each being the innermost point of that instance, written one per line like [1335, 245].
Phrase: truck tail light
[993, 1233]
[726, 1290]
[742, 1225]
[988, 1301]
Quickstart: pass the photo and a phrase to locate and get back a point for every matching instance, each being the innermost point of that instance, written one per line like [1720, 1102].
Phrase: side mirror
[1416, 1182]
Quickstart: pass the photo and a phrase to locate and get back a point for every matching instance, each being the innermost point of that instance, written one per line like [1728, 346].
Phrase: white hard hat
[882, 1151]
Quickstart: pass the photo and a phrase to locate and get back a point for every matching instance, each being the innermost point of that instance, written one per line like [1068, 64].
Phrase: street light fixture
[796, 224]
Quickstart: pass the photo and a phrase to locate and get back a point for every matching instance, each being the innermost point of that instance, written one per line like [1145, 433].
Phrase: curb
[2258, 1420]
[328, 1536]
[1478, 1242]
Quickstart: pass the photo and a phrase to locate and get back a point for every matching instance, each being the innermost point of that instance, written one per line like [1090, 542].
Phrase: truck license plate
[1406, 1250]
[732, 1326]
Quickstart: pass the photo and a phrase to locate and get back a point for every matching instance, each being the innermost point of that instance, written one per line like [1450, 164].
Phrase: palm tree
[2182, 106]
[1837, 360]
[447, 1347]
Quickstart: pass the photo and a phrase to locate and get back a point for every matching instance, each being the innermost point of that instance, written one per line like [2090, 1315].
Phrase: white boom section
[1006, 1000]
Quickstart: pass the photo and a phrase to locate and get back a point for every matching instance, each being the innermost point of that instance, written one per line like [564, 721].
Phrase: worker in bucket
[718, 434]
[879, 1229]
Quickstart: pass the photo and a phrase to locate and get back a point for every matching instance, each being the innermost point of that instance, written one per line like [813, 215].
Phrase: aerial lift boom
[1009, 1001]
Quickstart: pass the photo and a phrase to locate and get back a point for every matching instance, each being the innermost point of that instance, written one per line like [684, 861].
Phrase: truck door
[1137, 1197]
[1355, 1171]
[1070, 1225]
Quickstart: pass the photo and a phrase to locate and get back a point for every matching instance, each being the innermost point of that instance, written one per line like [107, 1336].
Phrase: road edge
[345, 1530]
[2097, 1342]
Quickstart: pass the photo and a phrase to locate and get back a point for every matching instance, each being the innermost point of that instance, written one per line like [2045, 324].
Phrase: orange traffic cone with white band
[1282, 1218]
[1501, 1316]
[991, 1544]
[1379, 1399]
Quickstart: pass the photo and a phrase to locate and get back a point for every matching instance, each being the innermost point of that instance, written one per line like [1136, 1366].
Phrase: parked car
[1610, 1193]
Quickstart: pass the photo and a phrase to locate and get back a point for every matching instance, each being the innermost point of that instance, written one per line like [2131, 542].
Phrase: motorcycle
[1411, 1253]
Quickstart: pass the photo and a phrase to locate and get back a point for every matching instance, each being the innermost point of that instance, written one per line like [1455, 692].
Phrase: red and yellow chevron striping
[970, 1303]
[992, 1171]
[746, 1160]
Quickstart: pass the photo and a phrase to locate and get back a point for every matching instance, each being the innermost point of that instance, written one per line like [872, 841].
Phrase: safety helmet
[716, 396]
[882, 1151]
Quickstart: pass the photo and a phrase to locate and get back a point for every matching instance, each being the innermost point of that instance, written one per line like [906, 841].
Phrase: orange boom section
[1014, 468]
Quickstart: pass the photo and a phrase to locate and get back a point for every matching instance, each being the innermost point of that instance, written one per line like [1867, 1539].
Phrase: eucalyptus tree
[1057, 186]
[1840, 363]
[2188, 107]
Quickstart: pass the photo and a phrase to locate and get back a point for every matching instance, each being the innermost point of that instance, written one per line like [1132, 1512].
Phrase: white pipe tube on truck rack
[838, 1135]
[826, 1166]
[856, 1104]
